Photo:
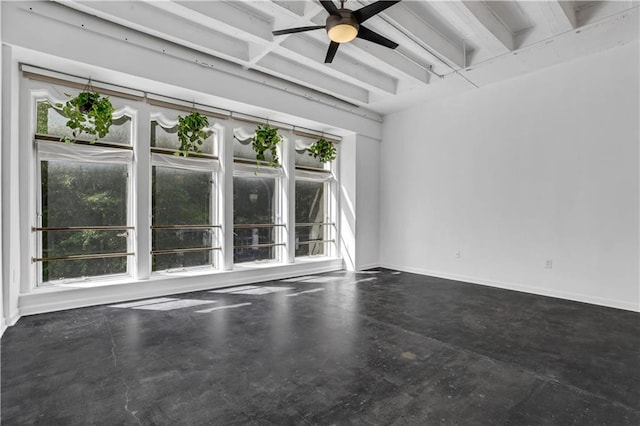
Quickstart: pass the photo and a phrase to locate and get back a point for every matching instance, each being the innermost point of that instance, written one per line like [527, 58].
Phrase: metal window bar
[79, 257]
[184, 250]
[313, 169]
[316, 224]
[254, 162]
[314, 241]
[185, 226]
[169, 151]
[80, 228]
[257, 225]
[259, 245]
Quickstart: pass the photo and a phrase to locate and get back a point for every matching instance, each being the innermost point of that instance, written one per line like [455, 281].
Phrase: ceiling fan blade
[372, 36]
[329, 7]
[372, 9]
[297, 30]
[333, 48]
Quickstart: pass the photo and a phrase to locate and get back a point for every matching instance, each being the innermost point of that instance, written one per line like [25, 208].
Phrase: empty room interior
[320, 212]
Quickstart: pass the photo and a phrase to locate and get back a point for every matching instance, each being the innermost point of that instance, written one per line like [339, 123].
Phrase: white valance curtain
[244, 137]
[49, 150]
[189, 163]
[253, 170]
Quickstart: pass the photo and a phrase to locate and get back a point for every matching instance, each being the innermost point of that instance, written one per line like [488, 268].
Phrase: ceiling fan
[343, 25]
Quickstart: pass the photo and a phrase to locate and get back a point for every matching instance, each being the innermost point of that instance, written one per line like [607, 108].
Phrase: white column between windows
[140, 199]
[289, 198]
[225, 194]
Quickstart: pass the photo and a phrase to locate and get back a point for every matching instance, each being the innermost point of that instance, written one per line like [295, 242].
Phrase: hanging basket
[323, 150]
[191, 133]
[266, 139]
[87, 113]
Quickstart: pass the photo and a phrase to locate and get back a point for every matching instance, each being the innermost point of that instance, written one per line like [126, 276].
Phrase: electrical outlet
[548, 264]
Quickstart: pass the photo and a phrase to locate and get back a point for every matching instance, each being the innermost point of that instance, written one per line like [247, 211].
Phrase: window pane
[310, 208]
[162, 137]
[83, 194]
[69, 269]
[253, 203]
[50, 121]
[182, 197]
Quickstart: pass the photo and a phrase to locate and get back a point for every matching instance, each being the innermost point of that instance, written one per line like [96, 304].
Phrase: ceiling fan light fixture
[342, 33]
[342, 28]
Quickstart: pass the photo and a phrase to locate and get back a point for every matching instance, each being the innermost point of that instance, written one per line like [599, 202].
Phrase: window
[311, 218]
[88, 199]
[84, 229]
[314, 230]
[255, 232]
[258, 231]
[184, 229]
[83, 195]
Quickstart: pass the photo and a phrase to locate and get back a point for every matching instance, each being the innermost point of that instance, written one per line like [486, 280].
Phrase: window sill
[84, 293]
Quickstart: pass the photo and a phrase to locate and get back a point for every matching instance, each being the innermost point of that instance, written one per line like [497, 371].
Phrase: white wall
[367, 202]
[347, 160]
[360, 201]
[2, 320]
[542, 167]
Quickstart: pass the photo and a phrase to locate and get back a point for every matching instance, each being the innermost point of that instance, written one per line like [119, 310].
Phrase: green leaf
[266, 139]
[323, 150]
[191, 133]
[88, 113]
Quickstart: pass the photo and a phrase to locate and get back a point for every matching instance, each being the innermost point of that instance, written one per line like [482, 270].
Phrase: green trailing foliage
[265, 140]
[323, 150]
[191, 133]
[88, 113]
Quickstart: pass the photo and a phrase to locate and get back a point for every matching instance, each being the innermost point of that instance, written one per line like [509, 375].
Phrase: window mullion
[140, 199]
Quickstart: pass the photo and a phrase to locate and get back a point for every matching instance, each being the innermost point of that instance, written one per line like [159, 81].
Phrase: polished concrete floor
[379, 347]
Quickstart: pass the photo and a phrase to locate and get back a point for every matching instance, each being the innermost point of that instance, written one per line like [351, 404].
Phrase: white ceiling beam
[380, 58]
[403, 19]
[478, 23]
[560, 16]
[289, 19]
[161, 23]
[312, 53]
[389, 60]
[486, 23]
[224, 17]
[143, 17]
[286, 69]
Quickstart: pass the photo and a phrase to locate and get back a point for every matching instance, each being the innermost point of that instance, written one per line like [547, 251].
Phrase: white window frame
[211, 164]
[46, 150]
[251, 169]
[328, 178]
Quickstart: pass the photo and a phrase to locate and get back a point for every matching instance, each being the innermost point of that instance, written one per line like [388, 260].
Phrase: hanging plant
[191, 133]
[266, 139]
[323, 150]
[87, 113]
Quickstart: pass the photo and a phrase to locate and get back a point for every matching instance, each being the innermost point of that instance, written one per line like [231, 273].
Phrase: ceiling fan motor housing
[342, 27]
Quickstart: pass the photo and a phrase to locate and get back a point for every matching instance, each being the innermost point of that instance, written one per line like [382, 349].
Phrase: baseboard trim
[610, 303]
[51, 301]
[368, 266]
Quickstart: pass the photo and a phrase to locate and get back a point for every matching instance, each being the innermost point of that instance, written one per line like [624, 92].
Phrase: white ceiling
[445, 46]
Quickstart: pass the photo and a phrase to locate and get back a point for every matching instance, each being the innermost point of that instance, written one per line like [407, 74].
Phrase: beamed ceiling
[444, 46]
